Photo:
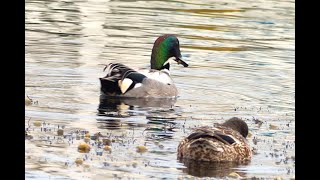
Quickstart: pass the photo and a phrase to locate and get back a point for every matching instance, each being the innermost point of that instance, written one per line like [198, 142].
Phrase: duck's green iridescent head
[165, 47]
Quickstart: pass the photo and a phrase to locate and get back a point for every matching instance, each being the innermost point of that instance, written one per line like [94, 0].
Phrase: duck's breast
[161, 76]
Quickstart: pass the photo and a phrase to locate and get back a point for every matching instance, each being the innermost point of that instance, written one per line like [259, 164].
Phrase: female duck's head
[165, 49]
[237, 125]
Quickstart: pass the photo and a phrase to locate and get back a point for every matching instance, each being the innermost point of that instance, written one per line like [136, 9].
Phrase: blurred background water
[241, 57]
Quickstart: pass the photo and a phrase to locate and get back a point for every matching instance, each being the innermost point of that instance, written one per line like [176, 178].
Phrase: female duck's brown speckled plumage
[222, 143]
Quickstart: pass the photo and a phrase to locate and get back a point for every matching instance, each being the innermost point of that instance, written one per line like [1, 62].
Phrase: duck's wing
[216, 133]
[119, 79]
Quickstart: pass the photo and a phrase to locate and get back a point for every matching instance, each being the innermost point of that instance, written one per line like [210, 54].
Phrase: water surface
[241, 60]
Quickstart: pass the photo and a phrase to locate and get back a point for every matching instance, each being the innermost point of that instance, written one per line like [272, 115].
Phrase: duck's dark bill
[180, 61]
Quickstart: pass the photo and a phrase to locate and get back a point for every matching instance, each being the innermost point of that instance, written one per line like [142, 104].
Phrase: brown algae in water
[141, 149]
[273, 127]
[83, 147]
[106, 142]
[27, 100]
[37, 123]
[60, 132]
[107, 148]
[79, 161]
[87, 135]
[86, 139]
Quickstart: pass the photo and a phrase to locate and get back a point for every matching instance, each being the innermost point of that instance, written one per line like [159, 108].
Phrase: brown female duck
[222, 143]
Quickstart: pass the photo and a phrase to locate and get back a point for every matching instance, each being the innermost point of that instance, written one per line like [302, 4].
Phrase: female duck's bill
[222, 143]
[123, 81]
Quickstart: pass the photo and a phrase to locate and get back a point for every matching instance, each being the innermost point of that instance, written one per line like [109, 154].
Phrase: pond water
[241, 57]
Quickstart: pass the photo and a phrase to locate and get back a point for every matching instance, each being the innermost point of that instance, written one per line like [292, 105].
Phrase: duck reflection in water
[211, 169]
[159, 112]
[109, 104]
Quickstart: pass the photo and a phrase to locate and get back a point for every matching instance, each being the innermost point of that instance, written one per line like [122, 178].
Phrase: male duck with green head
[123, 81]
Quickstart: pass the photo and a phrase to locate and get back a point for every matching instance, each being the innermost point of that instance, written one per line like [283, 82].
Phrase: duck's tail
[119, 79]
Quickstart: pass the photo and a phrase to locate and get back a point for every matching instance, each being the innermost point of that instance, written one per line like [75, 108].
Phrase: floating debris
[94, 137]
[106, 142]
[79, 161]
[161, 146]
[141, 149]
[98, 134]
[60, 132]
[99, 153]
[37, 123]
[87, 135]
[86, 139]
[134, 164]
[104, 145]
[234, 175]
[27, 100]
[254, 178]
[117, 139]
[84, 147]
[28, 137]
[254, 151]
[279, 162]
[255, 140]
[107, 148]
[273, 127]
[257, 121]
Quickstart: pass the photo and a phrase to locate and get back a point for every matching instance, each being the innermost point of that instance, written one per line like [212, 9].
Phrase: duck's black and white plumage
[122, 81]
